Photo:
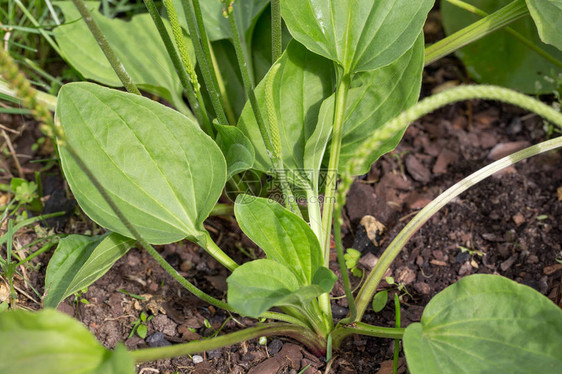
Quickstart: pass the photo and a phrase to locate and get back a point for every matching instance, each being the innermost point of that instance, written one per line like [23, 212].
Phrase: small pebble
[275, 346]
[462, 257]
[157, 340]
[197, 359]
[339, 311]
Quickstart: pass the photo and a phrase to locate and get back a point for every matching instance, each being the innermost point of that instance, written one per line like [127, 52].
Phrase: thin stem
[528, 43]
[398, 124]
[38, 25]
[201, 44]
[343, 268]
[341, 332]
[306, 337]
[248, 88]
[106, 48]
[223, 210]
[276, 35]
[314, 215]
[43, 249]
[396, 341]
[194, 103]
[332, 174]
[331, 177]
[222, 89]
[502, 17]
[213, 249]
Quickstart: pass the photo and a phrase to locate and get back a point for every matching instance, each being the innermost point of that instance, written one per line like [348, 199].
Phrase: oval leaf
[359, 35]
[283, 236]
[376, 97]
[302, 82]
[161, 170]
[236, 148]
[256, 286]
[79, 261]
[50, 342]
[547, 15]
[486, 324]
[499, 58]
[150, 67]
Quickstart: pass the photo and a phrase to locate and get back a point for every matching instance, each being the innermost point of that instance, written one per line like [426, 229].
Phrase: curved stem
[502, 17]
[307, 337]
[216, 252]
[106, 48]
[528, 43]
[342, 332]
[398, 124]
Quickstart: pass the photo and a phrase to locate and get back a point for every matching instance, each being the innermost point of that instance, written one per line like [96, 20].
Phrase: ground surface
[511, 224]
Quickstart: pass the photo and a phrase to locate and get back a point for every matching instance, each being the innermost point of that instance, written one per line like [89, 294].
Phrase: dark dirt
[510, 224]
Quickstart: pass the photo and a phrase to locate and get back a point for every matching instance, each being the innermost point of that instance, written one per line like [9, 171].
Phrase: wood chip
[505, 149]
[559, 191]
[552, 269]
[417, 170]
[518, 219]
[508, 263]
[438, 263]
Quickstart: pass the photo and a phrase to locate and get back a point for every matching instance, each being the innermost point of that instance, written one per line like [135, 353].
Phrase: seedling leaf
[283, 236]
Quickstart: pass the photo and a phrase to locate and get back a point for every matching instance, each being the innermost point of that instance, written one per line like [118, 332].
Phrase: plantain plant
[309, 101]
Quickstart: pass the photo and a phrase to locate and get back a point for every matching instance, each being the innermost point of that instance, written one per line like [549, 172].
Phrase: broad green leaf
[236, 148]
[547, 15]
[79, 261]
[359, 35]
[302, 82]
[486, 324]
[246, 12]
[258, 285]
[136, 43]
[499, 58]
[50, 342]
[283, 236]
[376, 97]
[160, 168]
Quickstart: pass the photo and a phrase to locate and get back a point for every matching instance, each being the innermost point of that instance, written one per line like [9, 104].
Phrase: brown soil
[511, 223]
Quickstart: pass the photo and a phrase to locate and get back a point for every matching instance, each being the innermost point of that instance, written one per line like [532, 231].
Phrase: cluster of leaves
[152, 174]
